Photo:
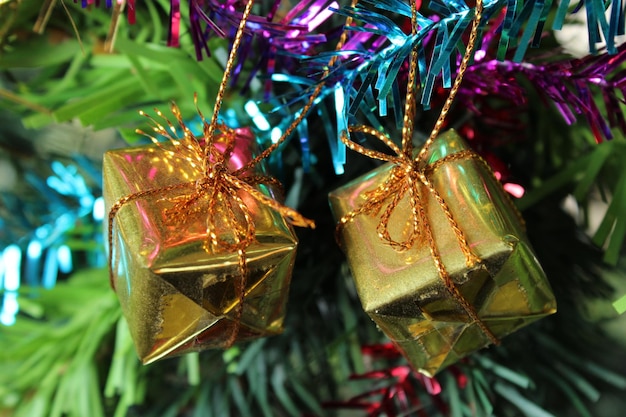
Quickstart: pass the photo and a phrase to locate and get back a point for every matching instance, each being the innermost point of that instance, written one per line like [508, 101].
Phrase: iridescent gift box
[177, 292]
[403, 291]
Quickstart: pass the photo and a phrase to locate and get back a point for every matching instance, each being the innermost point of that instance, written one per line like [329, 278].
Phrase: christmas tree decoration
[437, 250]
[453, 271]
[202, 253]
[197, 261]
[548, 122]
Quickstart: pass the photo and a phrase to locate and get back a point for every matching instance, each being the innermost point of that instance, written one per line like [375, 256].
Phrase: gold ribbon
[217, 184]
[408, 174]
[217, 190]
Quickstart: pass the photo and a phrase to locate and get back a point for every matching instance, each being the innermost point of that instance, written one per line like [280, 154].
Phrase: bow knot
[217, 170]
[219, 189]
[409, 176]
[224, 190]
[204, 184]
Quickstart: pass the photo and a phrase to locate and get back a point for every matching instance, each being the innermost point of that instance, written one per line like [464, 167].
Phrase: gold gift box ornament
[442, 265]
[201, 256]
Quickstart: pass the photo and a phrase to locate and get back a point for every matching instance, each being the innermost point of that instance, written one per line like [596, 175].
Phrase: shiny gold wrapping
[403, 291]
[177, 294]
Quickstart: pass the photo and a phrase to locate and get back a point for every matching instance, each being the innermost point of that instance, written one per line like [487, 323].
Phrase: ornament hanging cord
[410, 173]
[288, 131]
[213, 124]
[216, 180]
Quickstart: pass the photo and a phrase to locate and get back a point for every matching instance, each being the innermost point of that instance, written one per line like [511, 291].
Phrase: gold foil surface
[402, 290]
[177, 293]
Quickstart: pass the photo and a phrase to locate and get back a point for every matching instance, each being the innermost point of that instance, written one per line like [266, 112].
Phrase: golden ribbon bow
[409, 173]
[217, 181]
[229, 223]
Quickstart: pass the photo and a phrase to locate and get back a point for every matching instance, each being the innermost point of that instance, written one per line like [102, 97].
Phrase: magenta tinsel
[569, 84]
[290, 37]
[591, 88]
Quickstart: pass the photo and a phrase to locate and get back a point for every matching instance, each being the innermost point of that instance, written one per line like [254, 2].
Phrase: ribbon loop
[369, 152]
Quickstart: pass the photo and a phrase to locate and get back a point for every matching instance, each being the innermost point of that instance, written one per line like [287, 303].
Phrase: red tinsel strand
[400, 395]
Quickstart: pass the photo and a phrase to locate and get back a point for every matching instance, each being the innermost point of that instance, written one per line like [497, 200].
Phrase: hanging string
[409, 104]
[226, 76]
[478, 11]
[209, 167]
[314, 95]
[409, 174]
